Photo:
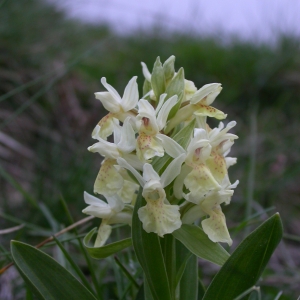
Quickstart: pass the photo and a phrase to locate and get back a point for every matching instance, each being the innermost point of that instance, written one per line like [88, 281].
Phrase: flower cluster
[163, 145]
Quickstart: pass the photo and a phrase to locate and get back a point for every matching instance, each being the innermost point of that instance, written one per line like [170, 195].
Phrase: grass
[48, 111]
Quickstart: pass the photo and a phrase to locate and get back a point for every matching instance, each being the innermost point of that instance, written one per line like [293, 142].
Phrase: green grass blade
[126, 272]
[82, 249]
[18, 187]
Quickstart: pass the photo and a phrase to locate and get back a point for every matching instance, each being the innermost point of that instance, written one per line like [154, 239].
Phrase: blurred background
[52, 56]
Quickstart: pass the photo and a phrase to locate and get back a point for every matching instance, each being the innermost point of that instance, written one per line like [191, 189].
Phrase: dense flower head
[162, 145]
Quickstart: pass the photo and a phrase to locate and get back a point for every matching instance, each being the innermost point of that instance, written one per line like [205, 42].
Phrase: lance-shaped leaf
[187, 273]
[169, 69]
[194, 239]
[149, 254]
[45, 277]
[242, 270]
[146, 89]
[107, 250]
[158, 79]
[176, 87]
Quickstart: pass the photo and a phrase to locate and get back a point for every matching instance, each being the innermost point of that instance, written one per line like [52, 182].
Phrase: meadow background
[50, 68]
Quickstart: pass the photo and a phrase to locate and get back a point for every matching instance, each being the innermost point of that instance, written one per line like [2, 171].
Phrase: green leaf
[189, 280]
[141, 293]
[149, 254]
[74, 265]
[194, 239]
[184, 135]
[168, 248]
[188, 285]
[176, 87]
[90, 265]
[242, 270]
[182, 267]
[47, 278]
[146, 88]
[201, 289]
[104, 251]
[169, 68]
[158, 79]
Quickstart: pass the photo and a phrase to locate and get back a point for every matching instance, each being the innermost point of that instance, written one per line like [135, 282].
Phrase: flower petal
[127, 142]
[160, 102]
[189, 89]
[172, 171]
[149, 173]
[146, 72]
[108, 181]
[147, 111]
[115, 203]
[108, 101]
[159, 217]
[206, 90]
[217, 165]
[105, 148]
[128, 193]
[111, 90]
[131, 95]
[123, 217]
[148, 146]
[105, 127]
[98, 212]
[92, 200]
[104, 232]
[230, 161]
[171, 146]
[204, 110]
[165, 110]
[200, 182]
[215, 227]
[133, 160]
[123, 163]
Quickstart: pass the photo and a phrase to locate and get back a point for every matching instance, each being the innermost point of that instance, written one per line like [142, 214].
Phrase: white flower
[110, 179]
[221, 142]
[124, 141]
[149, 123]
[195, 174]
[214, 226]
[158, 216]
[199, 106]
[205, 165]
[111, 213]
[118, 107]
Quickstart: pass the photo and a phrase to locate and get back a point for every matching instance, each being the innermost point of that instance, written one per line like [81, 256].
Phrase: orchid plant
[164, 173]
[197, 173]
